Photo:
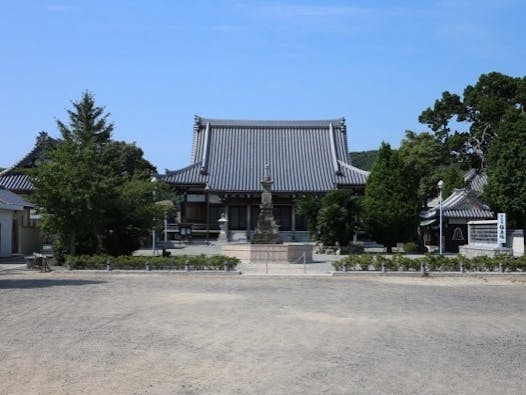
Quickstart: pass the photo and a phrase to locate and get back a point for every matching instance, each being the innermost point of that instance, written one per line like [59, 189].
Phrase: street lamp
[440, 187]
[154, 247]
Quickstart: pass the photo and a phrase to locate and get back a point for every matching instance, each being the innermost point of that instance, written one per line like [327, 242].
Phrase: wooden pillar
[248, 220]
[183, 207]
[207, 197]
[293, 220]
[227, 215]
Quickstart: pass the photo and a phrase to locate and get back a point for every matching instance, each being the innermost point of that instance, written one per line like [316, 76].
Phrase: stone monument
[223, 226]
[266, 245]
[267, 231]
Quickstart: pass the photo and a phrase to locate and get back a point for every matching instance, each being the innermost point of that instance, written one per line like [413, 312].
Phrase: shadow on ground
[25, 283]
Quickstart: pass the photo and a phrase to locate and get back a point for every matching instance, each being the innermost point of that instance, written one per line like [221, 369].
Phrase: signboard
[501, 228]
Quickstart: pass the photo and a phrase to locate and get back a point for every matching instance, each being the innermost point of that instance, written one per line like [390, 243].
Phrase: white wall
[6, 229]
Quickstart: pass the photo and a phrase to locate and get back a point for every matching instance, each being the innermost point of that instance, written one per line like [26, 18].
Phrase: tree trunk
[72, 243]
[99, 243]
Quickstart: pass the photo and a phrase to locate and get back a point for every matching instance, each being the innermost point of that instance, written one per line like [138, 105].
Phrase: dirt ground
[111, 333]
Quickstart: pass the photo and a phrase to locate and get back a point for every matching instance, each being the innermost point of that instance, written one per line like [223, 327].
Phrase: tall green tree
[427, 162]
[506, 189]
[468, 124]
[91, 189]
[390, 207]
[423, 154]
[130, 210]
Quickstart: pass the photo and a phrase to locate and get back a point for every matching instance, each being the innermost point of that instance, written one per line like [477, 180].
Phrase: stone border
[138, 271]
[427, 274]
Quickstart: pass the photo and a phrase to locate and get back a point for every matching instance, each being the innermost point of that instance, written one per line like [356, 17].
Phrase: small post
[148, 266]
[345, 267]
[225, 264]
[440, 243]
[462, 267]
[108, 265]
[501, 270]
[383, 267]
[304, 263]
[423, 269]
[186, 266]
[68, 265]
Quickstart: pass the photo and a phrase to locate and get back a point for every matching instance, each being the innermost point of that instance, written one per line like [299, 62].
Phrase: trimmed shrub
[199, 262]
[437, 263]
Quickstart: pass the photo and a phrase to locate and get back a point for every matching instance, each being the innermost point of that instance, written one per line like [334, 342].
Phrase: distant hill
[363, 159]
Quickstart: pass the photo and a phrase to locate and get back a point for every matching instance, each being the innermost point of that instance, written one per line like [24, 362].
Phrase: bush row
[194, 262]
[399, 262]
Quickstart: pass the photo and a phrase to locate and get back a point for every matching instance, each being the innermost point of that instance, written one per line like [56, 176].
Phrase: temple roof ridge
[285, 123]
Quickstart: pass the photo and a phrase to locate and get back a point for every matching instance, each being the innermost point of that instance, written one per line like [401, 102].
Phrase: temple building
[26, 236]
[228, 162]
[12, 209]
[462, 206]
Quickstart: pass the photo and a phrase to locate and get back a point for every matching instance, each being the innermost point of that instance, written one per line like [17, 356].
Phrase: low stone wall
[269, 253]
[472, 250]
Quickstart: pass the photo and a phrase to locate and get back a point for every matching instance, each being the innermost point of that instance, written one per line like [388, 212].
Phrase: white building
[10, 205]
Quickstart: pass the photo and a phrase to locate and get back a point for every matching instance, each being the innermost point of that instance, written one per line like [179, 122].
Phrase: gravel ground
[122, 333]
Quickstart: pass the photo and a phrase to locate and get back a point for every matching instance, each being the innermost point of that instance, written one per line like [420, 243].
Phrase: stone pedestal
[269, 253]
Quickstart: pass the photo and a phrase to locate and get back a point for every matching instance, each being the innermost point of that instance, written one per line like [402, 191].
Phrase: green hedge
[194, 262]
[442, 263]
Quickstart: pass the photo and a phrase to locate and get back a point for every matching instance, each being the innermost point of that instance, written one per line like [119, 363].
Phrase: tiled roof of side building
[14, 178]
[11, 201]
[19, 183]
[309, 156]
[477, 180]
[462, 203]
[469, 213]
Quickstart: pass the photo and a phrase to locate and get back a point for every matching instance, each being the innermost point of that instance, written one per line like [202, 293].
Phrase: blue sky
[154, 64]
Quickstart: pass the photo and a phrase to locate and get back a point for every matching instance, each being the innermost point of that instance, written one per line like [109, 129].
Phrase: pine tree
[92, 191]
[390, 207]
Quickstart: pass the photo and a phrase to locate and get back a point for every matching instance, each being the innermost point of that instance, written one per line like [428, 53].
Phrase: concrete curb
[428, 274]
[12, 267]
[177, 272]
[256, 274]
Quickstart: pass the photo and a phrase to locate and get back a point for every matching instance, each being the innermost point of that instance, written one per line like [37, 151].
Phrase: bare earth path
[110, 333]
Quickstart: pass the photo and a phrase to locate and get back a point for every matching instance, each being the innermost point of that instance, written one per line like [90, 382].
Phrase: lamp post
[440, 187]
[154, 247]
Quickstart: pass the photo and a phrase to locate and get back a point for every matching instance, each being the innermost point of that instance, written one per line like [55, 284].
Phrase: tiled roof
[468, 213]
[11, 201]
[19, 183]
[189, 175]
[462, 203]
[229, 155]
[14, 178]
[477, 180]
